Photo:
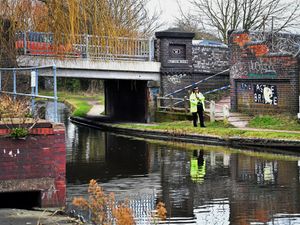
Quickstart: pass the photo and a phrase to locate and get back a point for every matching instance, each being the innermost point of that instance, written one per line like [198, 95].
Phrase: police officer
[197, 106]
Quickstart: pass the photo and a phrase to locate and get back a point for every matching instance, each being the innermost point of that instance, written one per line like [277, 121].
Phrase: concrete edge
[237, 142]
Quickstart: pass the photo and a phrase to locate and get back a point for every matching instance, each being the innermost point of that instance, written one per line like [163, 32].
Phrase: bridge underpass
[128, 85]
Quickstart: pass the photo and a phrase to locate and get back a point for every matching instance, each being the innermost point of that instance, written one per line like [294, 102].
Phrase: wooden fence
[183, 105]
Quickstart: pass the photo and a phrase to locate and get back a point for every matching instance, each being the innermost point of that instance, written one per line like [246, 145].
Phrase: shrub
[105, 210]
[19, 132]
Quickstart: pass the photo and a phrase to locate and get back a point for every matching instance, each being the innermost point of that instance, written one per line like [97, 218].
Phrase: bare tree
[190, 23]
[225, 15]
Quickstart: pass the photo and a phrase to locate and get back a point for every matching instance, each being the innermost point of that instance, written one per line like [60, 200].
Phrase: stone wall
[264, 79]
[37, 163]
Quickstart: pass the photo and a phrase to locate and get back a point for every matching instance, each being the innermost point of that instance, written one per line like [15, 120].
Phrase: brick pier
[35, 164]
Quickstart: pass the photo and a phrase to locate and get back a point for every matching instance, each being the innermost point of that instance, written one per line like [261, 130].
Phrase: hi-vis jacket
[194, 101]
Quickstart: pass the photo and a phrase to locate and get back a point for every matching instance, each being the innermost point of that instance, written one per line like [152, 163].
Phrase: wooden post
[171, 103]
[157, 102]
[212, 111]
[299, 109]
[225, 113]
[186, 104]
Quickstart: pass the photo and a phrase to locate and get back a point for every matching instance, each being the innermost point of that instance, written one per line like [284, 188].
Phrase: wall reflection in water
[202, 185]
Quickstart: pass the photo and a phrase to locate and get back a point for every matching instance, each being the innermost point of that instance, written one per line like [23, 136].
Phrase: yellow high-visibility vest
[194, 101]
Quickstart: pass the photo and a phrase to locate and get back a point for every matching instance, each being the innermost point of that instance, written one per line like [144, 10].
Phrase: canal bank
[36, 217]
[146, 171]
[146, 131]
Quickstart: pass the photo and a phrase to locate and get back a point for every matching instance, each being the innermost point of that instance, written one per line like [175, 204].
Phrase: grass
[215, 129]
[281, 122]
[79, 101]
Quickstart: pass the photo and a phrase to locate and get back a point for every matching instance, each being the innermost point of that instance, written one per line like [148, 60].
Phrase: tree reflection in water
[213, 185]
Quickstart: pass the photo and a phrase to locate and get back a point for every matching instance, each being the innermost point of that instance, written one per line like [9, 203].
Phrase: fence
[32, 90]
[84, 46]
[172, 107]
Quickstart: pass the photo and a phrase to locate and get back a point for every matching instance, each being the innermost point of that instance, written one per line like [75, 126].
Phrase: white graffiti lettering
[266, 94]
[261, 67]
[176, 79]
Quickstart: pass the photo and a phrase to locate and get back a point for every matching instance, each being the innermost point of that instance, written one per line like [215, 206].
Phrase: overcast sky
[168, 8]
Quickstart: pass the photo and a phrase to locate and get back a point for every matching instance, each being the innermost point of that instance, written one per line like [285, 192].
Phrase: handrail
[85, 46]
[33, 73]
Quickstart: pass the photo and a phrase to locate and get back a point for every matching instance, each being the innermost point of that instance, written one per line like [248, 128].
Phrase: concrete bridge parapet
[96, 69]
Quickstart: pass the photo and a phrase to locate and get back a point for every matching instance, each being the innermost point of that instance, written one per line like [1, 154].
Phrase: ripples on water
[199, 185]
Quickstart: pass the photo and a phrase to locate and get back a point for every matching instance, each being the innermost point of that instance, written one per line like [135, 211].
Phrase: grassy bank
[275, 122]
[215, 129]
[79, 101]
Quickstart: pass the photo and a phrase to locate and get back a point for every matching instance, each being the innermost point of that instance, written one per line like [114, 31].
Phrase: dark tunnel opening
[20, 200]
[126, 100]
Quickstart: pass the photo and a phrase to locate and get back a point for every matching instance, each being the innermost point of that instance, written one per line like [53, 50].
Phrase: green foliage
[81, 108]
[274, 122]
[77, 100]
[69, 84]
[19, 132]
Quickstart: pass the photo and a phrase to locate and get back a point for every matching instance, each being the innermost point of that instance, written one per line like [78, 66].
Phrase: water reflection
[202, 185]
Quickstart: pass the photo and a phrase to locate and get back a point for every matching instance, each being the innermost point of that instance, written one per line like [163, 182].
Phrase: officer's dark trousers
[200, 114]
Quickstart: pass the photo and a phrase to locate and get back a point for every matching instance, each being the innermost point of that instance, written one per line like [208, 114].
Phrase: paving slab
[35, 217]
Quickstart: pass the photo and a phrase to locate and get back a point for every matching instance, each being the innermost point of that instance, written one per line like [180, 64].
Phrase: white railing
[84, 46]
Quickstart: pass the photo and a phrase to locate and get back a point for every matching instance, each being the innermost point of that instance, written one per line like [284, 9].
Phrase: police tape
[208, 92]
[194, 84]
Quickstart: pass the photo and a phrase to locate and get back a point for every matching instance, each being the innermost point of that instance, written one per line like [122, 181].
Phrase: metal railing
[33, 73]
[84, 46]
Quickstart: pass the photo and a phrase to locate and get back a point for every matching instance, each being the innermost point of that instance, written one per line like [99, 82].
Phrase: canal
[199, 184]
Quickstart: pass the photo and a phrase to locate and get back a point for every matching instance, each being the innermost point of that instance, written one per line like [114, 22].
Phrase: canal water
[199, 184]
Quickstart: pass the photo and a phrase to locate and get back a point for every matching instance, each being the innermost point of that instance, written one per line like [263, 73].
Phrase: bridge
[90, 56]
[127, 66]
[134, 70]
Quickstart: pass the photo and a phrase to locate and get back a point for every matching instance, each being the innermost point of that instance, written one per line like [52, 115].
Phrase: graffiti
[241, 39]
[238, 71]
[12, 153]
[176, 79]
[261, 67]
[259, 49]
[257, 75]
[280, 42]
[245, 86]
[256, 69]
[265, 94]
[49, 193]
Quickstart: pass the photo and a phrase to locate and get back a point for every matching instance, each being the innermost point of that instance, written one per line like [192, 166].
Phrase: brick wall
[210, 59]
[36, 163]
[263, 79]
[196, 63]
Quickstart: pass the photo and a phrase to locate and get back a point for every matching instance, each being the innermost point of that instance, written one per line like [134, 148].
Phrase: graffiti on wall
[265, 94]
[238, 70]
[258, 48]
[176, 79]
[245, 86]
[253, 69]
[259, 68]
